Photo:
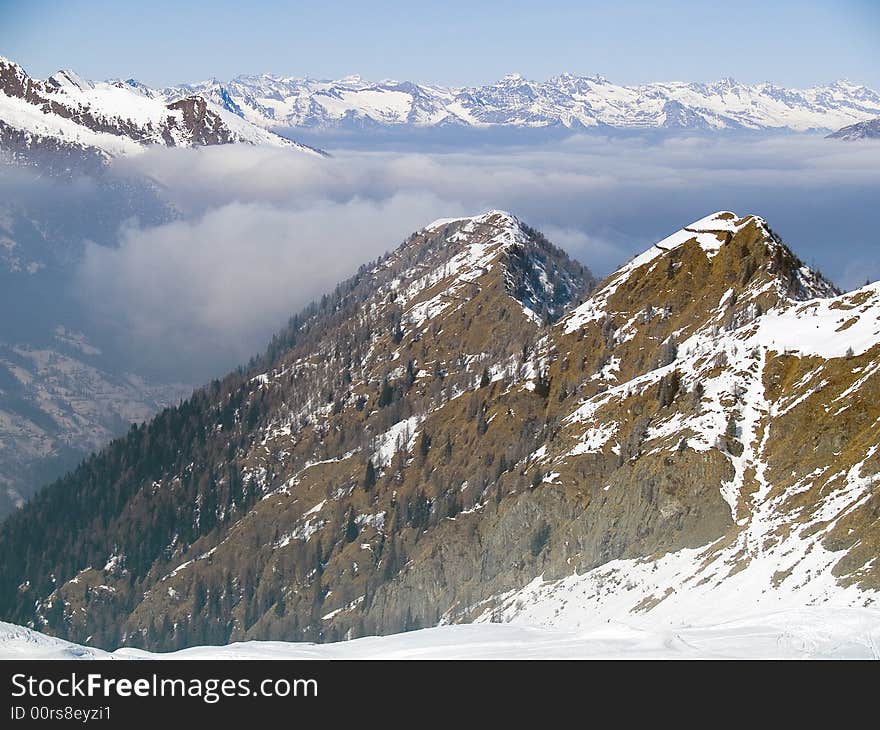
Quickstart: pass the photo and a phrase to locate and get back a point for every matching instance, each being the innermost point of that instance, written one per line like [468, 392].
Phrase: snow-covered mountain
[569, 101]
[862, 130]
[471, 430]
[68, 117]
[71, 116]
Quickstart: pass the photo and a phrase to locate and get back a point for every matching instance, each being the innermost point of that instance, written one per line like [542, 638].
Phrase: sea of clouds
[258, 233]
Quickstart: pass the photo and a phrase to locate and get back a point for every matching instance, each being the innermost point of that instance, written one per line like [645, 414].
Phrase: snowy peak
[724, 229]
[13, 79]
[452, 256]
[709, 233]
[722, 264]
[137, 86]
[66, 80]
[67, 115]
[499, 219]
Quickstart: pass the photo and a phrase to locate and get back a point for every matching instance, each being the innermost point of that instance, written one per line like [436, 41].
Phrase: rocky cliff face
[468, 430]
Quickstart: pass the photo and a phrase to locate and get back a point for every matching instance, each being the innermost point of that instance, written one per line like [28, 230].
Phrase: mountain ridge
[69, 115]
[420, 448]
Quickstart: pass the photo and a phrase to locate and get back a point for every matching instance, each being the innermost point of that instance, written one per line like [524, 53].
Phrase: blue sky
[452, 42]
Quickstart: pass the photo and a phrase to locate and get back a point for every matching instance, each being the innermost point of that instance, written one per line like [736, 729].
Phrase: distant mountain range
[567, 101]
[66, 117]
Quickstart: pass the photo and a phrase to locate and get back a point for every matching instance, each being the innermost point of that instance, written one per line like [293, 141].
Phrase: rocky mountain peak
[721, 276]
[14, 81]
[496, 249]
[136, 86]
[706, 260]
[200, 124]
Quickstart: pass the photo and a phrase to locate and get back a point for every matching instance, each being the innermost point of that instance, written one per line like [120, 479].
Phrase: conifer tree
[484, 378]
[369, 476]
[351, 528]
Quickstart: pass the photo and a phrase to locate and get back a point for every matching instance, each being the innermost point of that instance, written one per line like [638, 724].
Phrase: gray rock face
[863, 130]
[652, 506]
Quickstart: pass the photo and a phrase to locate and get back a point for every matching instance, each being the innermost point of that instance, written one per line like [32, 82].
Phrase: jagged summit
[701, 263]
[65, 79]
[710, 233]
[541, 277]
[13, 79]
[8, 63]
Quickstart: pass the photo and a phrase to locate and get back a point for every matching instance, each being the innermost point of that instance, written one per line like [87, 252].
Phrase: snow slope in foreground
[797, 634]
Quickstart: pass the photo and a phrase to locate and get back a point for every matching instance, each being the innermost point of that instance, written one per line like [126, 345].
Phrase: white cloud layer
[263, 232]
[214, 288]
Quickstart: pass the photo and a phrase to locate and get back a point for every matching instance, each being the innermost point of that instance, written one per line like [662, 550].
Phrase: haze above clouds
[263, 232]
